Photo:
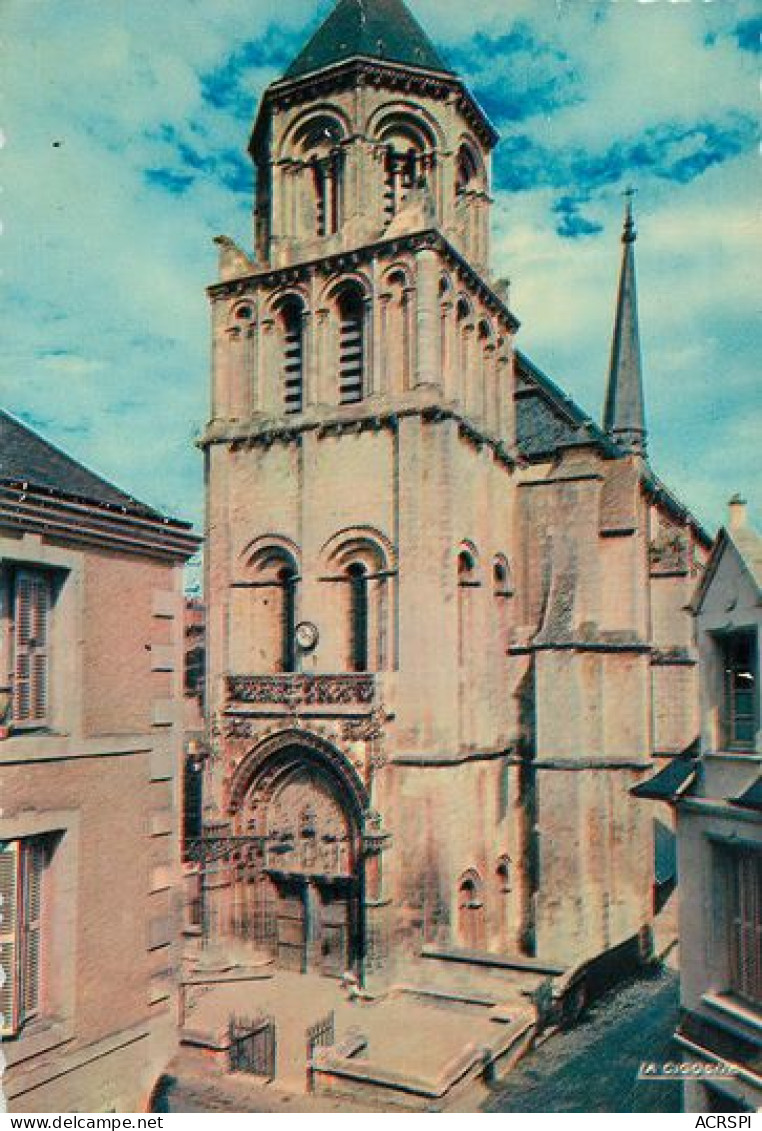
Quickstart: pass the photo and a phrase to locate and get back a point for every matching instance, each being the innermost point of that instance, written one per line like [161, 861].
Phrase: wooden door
[335, 934]
[292, 935]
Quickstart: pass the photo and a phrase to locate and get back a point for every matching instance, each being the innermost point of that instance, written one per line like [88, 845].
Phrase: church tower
[407, 545]
[359, 460]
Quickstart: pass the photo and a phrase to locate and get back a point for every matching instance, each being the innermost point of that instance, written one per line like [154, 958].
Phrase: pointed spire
[375, 29]
[625, 418]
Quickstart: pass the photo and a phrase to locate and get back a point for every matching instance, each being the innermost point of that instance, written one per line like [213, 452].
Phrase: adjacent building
[91, 717]
[718, 801]
[446, 618]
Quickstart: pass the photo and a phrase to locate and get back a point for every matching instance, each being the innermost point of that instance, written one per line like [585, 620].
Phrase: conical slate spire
[625, 417]
[375, 29]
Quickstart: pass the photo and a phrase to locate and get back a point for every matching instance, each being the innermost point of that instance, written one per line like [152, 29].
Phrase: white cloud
[105, 273]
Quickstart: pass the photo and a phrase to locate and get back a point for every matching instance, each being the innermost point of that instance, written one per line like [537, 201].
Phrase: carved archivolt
[277, 756]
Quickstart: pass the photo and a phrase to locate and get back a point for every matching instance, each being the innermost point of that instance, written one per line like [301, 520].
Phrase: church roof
[376, 29]
[25, 457]
[547, 419]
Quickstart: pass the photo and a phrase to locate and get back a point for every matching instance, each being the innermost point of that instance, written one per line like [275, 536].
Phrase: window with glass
[741, 689]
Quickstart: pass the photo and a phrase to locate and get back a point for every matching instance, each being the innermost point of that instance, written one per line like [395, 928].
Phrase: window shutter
[9, 1001]
[31, 632]
[34, 862]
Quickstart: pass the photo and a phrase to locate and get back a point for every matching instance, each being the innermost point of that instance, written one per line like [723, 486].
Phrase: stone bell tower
[358, 462]
[429, 641]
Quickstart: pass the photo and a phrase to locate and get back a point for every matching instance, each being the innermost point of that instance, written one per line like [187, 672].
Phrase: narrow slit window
[358, 604]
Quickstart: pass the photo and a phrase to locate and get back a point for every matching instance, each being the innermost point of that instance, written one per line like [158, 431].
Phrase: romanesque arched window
[358, 617]
[471, 916]
[464, 322]
[470, 189]
[502, 583]
[408, 159]
[318, 144]
[291, 316]
[288, 580]
[359, 567]
[351, 318]
[483, 399]
[467, 582]
[264, 603]
[398, 331]
[503, 875]
[466, 171]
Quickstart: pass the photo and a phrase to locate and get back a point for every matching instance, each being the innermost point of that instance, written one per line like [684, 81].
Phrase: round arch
[406, 114]
[316, 115]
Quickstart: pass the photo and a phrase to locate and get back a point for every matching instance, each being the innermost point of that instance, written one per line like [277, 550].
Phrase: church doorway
[308, 913]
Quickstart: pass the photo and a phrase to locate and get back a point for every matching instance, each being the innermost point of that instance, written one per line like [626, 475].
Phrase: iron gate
[253, 1046]
[320, 1035]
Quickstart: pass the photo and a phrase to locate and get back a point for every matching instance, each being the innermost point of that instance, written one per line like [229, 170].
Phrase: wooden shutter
[33, 862]
[31, 629]
[9, 886]
[746, 927]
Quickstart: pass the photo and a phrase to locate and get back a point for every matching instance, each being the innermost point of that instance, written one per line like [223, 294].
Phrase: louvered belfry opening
[401, 174]
[351, 346]
[293, 356]
[31, 615]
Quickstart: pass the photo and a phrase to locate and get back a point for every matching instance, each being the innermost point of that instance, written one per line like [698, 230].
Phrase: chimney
[737, 513]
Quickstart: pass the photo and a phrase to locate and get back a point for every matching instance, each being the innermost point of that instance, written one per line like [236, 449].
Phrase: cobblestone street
[593, 1067]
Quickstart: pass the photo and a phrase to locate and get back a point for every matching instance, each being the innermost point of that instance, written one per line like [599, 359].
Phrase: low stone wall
[334, 1074]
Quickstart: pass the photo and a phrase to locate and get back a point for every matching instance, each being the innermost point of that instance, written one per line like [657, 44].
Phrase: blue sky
[126, 126]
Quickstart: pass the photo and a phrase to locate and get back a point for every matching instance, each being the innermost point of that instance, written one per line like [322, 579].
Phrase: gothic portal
[445, 609]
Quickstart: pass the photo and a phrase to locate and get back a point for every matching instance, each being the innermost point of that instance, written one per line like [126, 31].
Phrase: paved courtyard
[404, 1032]
[592, 1068]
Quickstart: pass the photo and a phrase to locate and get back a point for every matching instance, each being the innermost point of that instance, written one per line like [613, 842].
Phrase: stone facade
[446, 627]
[90, 741]
[719, 812]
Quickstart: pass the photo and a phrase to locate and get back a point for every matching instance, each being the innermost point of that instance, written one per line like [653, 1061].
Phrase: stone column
[269, 384]
[325, 368]
[491, 414]
[370, 373]
[381, 340]
[429, 366]
[309, 375]
[446, 348]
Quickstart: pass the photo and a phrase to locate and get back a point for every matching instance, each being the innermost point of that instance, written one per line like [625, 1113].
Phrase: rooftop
[375, 29]
[26, 458]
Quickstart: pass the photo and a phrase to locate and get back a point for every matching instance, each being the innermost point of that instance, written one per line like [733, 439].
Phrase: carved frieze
[302, 690]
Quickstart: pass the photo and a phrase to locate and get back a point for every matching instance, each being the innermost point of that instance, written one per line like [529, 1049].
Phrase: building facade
[91, 646]
[446, 627]
[718, 801]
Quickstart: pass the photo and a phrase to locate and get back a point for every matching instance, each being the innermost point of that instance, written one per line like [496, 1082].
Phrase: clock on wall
[307, 635]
